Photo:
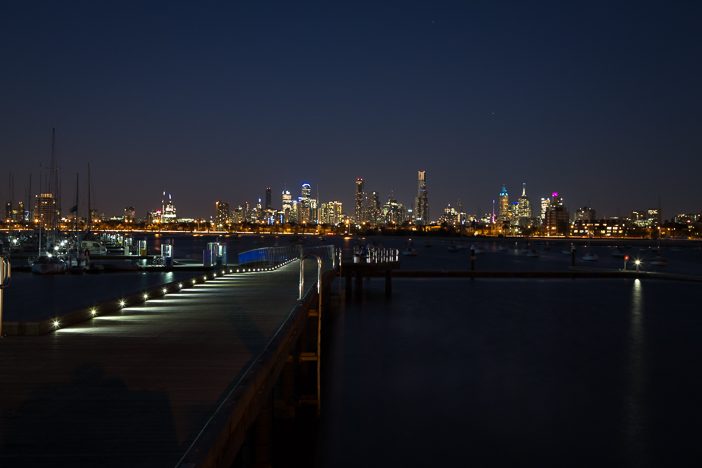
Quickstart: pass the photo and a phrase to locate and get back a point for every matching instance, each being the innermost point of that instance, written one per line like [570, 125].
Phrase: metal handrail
[319, 317]
[243, 377]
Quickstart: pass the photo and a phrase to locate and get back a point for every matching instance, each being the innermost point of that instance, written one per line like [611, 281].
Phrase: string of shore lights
[122, 303]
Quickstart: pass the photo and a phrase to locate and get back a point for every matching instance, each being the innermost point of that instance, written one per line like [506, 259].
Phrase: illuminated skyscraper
[222, 214]
[503, 205]
[394, 212]
[306, 191]
[371, 208]
[523, 209]
[287, 206]
[304, 204]
[358, 201]
[168, 209]
[45, 210]
[421, 202]
[556, 221]
[331, 213]
[545, 203]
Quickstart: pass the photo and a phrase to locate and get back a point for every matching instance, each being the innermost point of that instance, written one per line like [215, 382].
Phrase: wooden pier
[360, 265]
[183, 378]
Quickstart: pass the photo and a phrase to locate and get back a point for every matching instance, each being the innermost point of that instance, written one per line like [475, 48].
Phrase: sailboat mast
[75, 208]
[75, 219]
[53, 180]
[29, 199]
[90, 210]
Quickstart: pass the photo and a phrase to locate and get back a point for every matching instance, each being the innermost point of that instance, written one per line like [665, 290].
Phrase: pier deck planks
[134, 389]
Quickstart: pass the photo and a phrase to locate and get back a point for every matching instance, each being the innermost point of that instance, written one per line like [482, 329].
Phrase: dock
[145, 385]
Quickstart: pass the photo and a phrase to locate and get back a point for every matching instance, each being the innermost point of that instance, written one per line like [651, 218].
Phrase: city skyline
[349, 202]
[599, 102]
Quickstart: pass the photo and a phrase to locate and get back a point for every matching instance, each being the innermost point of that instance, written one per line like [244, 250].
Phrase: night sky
[601, 101]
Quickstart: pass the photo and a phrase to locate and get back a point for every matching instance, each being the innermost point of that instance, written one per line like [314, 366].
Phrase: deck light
[165, 290]
[194, 281]
[180, 285]
[145, 296]
[56, 323]
[122, 302]
[93, 311]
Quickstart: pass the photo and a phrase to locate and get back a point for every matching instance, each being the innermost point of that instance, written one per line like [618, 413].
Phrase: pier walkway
[136, 387]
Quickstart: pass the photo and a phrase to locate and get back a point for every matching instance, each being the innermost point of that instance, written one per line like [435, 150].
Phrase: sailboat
[79, 267]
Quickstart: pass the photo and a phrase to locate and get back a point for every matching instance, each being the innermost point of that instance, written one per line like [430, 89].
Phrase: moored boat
[48, 265]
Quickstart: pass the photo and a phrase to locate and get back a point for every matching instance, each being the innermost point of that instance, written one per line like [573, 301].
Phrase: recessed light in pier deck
[56, 323]
[93, 311]
[122, 303]
[180, 285]
[164, 290]
[145, 296]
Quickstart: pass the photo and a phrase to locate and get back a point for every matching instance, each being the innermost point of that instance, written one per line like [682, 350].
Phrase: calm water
[515, 373]
[433, 254]
[35, 297]
[40, 297]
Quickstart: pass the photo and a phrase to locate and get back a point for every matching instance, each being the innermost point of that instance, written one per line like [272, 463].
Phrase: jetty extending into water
[152, 382]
